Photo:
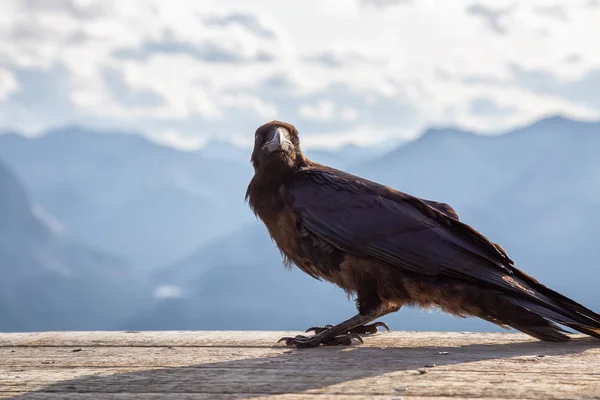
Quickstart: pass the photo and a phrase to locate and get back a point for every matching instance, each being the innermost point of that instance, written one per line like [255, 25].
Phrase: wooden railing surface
[177, 365]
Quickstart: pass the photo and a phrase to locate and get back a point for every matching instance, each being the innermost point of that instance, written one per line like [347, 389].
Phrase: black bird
[390, 249]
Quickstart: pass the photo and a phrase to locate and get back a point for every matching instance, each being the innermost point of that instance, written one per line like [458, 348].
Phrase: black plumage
[390, 249]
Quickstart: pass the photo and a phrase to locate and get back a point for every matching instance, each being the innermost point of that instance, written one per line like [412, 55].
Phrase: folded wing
[417, 236]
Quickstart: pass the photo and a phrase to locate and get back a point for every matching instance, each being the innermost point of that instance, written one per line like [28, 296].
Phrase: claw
[300, 341]
[382, 324]
[303, 341]
[356, 336]
[290, 340]
[318, 329]
[370, 328]
[345, 340]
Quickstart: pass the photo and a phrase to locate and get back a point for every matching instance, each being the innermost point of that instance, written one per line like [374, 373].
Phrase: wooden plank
[246, 338]
[545, 360]
[201, 365]
[211, 396]
[348, 381]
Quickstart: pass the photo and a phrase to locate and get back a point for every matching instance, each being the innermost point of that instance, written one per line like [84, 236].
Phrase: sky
[342, 71]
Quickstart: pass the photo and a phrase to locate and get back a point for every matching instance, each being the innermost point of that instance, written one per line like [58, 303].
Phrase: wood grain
[232, 364]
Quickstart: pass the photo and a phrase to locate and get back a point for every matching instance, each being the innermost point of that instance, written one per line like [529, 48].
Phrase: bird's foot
[362, 329]
[301, 341]
[342, 333]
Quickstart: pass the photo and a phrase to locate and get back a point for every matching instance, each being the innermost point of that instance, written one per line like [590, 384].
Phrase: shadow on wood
[527, 369]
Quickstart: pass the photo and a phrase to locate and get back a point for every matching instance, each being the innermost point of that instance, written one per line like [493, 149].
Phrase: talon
[382, 324]
[339, 341]
[343, 340]
[318, 329]
[370, 328]
[290, 340]
[355, 336]
[300, 341]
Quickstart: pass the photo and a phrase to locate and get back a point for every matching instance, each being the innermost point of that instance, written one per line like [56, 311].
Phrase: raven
[390, 249]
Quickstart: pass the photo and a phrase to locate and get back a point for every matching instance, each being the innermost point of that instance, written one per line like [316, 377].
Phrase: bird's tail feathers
[561, 309]
[561, 300]
[506, 312]
[541, 318]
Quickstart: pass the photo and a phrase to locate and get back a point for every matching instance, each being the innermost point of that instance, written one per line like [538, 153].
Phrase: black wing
[367, 219]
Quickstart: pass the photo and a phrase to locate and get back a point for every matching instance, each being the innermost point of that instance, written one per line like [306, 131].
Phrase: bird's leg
[362, 329]
[367, 299]
[337, 334]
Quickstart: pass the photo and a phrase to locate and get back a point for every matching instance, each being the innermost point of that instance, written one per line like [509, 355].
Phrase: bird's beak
[279, 141]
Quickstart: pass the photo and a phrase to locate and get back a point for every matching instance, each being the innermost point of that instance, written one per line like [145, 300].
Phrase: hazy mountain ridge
[129, 196]
[49, 283]
[241, 285]
[124, 194]
[535, 190]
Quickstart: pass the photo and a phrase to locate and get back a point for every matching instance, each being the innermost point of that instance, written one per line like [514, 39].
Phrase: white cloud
[362, 135]
[323, 110]
[349, 114]
[8, 83]
[383, 3]
[248, 102]
[178, 140]
[335, 67]
[327, 110]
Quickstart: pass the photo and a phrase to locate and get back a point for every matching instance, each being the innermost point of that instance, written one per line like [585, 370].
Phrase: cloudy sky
[343, 71]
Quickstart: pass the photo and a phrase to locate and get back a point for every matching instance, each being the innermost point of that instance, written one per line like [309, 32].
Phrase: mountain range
[203, 262]
[128, 196]
[48, 282]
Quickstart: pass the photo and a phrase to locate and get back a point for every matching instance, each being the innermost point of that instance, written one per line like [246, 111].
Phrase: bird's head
[276, 145]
